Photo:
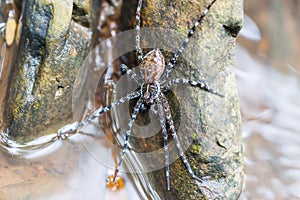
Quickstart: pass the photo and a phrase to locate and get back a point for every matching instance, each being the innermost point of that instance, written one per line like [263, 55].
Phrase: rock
[212, 124]
[51, 49]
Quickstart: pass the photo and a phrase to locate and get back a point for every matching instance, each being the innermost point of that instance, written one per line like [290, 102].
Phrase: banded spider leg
[179, 51]
[153, 86]
[152, 69]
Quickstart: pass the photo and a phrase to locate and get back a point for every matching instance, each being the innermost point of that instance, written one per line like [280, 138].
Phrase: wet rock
[213, 124]
[82, 12]
[51, 49]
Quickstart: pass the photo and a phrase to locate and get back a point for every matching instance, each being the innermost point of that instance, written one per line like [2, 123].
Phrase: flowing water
[271, 132]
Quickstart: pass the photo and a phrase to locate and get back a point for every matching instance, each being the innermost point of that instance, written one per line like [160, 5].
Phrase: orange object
[11, 26]
[116, 185]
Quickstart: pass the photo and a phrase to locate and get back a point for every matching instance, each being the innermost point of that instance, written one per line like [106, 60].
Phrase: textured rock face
[213, 122]
[51, 50]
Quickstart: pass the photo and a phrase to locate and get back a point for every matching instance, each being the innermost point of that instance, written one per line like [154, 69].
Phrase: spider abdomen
[153, 66]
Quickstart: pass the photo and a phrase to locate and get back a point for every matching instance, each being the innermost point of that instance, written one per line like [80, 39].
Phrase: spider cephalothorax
[150, 92]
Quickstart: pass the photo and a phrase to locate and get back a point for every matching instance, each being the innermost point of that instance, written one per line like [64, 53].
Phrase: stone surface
[51, 49]
[212, 123]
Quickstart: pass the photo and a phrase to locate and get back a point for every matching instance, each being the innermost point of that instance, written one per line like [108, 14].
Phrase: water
[269, 92]
[60, 169]
[271, 132]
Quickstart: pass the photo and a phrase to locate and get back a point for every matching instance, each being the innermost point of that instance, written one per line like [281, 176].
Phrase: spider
[154, 83]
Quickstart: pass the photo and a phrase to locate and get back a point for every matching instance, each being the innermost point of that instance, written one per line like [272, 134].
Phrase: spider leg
[127, 135]
[200, 84]
[165, 136]
[131, 74]
[72, 128]
[176, 55]
[174, 135]
[137, 30]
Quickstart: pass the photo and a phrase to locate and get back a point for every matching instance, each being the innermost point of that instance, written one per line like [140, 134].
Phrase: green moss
[195, 149]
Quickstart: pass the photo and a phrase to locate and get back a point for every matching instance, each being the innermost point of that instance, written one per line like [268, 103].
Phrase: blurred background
[267, 72]
[279, 24]
[268, 80]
